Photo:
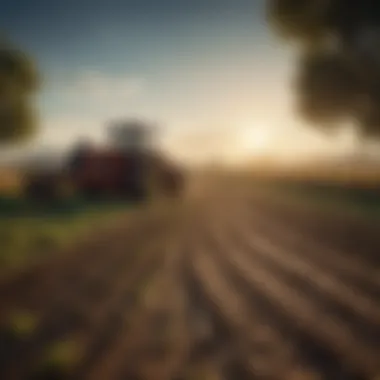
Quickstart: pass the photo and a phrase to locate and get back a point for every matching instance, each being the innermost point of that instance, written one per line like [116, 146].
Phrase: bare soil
[226, 287]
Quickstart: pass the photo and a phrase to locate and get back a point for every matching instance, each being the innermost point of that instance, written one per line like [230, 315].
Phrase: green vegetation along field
[342, 197]
[361, 201]
[28, 231]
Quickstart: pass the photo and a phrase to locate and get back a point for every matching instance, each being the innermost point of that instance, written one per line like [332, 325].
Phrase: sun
[250, 142]
[253, 139]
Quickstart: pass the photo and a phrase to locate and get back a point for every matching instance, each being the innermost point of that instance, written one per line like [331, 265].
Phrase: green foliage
[19, 80]
[26, 238]
[18, 123]
[22, 324]
[62, 353]
[303, 21]
[339, 62]
[58, 360]
[325, 196]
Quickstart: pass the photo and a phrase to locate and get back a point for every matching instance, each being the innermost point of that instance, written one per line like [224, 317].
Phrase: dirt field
[221, 287]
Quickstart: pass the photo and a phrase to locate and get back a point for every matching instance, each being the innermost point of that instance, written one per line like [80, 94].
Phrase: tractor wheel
[41, 189]
[91, 193]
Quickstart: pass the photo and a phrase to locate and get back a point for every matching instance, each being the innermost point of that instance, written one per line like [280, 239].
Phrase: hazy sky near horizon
[208, 71]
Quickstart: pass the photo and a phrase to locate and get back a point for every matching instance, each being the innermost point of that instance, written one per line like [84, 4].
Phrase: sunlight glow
[254, 139]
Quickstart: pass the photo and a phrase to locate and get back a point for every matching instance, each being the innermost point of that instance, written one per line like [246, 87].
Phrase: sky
[210, 73]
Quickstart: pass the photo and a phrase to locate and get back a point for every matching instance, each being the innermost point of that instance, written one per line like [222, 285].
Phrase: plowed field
[225, 288]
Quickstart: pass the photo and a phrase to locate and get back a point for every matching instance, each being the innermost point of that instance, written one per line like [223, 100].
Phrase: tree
[338, 45]
[18, 83]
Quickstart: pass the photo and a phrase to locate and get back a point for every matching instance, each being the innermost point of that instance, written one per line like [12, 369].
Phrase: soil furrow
[291, 236]
[255, 344]
[347, 302]
[330, 343]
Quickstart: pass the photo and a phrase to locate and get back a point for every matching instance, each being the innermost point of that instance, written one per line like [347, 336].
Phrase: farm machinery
[133, 171]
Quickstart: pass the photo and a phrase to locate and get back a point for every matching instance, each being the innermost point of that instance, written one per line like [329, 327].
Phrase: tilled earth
[225, 288]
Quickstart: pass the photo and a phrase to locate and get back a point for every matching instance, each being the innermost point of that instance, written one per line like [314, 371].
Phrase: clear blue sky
[189, 64]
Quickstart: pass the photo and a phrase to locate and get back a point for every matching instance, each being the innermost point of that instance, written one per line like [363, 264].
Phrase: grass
[13, 205]
[28, 235]
[339, 197]
[58, 360]
[22, 324]
[17, 328]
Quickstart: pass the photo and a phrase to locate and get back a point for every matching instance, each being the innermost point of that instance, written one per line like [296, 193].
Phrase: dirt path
[221, 288]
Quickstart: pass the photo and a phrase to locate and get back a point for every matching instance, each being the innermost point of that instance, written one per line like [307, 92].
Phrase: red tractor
[110, 173]
[131, 174]
[129, 168]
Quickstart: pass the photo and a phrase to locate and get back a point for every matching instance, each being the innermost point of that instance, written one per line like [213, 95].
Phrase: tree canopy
[338, 73]
[18, 83]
